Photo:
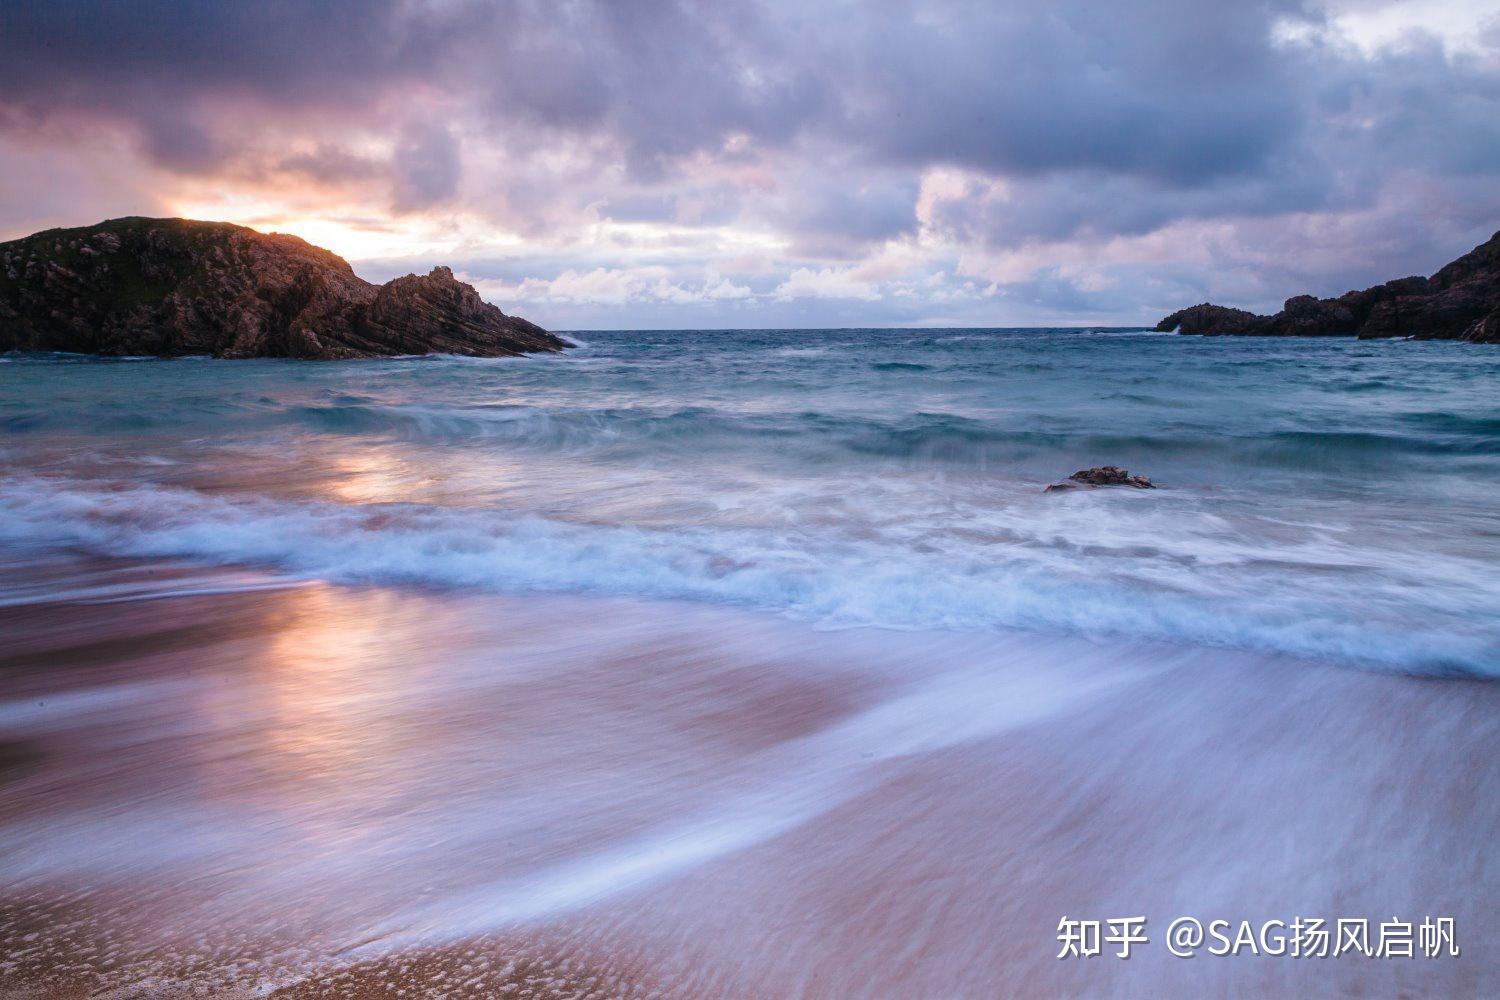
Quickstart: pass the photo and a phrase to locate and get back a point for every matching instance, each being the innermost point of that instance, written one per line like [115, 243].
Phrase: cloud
[427, 167]
[329, 164]
[615, 286]
[725, 290]
[827, 283]
[1047, 157]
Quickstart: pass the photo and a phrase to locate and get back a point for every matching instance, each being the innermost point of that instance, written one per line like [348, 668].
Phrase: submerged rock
[1101, 475]
[171, 287]
[1459, 302]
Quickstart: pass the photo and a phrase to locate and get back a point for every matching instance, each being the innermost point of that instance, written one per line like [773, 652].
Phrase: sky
[645, 164]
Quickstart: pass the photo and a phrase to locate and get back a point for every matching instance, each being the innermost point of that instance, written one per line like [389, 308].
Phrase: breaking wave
[1049, 574]
[1321, 499]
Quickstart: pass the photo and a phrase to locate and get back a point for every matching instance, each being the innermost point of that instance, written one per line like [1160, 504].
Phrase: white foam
[1120, 567]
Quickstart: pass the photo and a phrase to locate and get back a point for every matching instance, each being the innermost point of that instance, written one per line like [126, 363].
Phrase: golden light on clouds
[350, 234]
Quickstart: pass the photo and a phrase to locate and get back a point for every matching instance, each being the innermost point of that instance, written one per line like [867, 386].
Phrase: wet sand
[316, 791]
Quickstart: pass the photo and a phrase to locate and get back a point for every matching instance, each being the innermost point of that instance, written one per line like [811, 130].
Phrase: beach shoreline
[328, 790]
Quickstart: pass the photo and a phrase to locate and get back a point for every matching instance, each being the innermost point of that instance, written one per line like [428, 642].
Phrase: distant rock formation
[1101, 475]
[1209, 319]
[173, 287]
[1459, 302]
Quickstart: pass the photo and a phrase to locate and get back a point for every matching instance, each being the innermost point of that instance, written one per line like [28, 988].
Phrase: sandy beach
[313, 790]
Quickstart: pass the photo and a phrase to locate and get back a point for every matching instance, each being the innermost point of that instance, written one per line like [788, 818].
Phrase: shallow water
[1330, 499]
[322, 790]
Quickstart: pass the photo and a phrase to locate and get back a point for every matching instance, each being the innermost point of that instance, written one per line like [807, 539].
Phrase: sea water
[1331, 499]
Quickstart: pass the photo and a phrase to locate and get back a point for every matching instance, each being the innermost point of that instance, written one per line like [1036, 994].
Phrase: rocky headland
[1460, 302]
[173, 287]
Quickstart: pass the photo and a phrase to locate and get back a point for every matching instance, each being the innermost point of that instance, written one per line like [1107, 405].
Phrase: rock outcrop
[1207, 318]
[174, 287]
[1101, 475]
[1459, 302]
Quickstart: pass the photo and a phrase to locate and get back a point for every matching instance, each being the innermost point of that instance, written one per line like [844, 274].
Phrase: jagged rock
[1484, 331]
[175, 286]
[1100, 475]
[1453, 304]
[1308, 316]
[1209, 319]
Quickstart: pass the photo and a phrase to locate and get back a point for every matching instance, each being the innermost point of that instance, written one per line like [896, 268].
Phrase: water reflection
[349, 774]
[334, 678]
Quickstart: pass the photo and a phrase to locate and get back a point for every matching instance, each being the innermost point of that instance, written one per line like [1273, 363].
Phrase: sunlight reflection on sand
[375, 788]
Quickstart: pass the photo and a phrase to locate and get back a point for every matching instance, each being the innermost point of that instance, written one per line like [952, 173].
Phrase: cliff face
[174, 286]
[1459, 302]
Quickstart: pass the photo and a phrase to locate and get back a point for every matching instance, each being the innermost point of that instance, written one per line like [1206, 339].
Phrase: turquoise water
[1328, 499]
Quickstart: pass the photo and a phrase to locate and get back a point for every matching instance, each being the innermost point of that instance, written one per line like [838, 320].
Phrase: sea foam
[1080, 569]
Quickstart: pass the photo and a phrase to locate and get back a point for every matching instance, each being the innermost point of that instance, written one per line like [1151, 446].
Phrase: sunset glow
[922, 165]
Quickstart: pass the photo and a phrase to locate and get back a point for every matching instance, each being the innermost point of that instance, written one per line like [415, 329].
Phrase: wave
[1410, 446]
[1483, 429]
[1038, 577]
[69, 357]
[1298, 446]
[935, 436]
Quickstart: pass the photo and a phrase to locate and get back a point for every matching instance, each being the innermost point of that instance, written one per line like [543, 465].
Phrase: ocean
[725, 664]
[1323, 498]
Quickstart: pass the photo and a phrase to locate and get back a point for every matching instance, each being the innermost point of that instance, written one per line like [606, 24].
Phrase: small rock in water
[1101, 475]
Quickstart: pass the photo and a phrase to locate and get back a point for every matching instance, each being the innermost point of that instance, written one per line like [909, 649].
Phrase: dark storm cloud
[1175, 90]
[167, 68]
[108, 53]
[1179, 91]
[664, 79]
[814, 122]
